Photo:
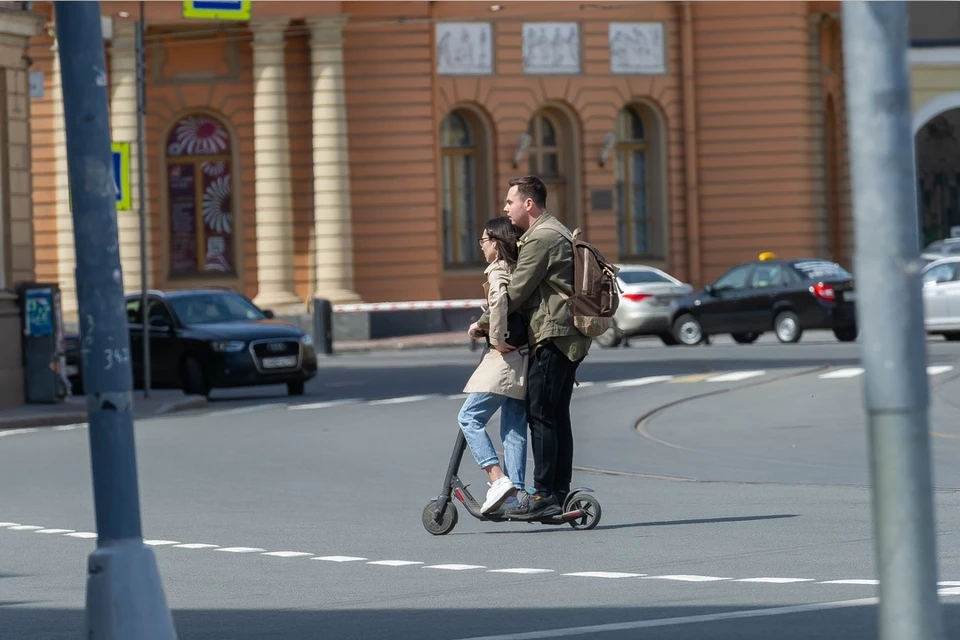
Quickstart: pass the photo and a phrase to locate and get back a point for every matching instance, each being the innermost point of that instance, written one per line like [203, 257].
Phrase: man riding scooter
[544, 269]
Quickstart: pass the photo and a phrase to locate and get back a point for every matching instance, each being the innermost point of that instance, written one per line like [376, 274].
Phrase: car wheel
[668, 339]
[687, 330]
[744, 338]
[611, 337]
[787, 327]
[295, 388]
[194, 380]
[845, 334]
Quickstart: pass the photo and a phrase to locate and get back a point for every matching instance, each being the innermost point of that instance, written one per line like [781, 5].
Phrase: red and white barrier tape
[408, 306]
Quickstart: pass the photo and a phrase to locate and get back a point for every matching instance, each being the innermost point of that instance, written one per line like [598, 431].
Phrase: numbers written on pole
[116, 357]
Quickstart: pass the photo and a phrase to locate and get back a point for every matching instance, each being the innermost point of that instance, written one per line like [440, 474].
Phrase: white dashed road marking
[403, 400]
[287, 554]
[938, 369]
[520, 570]
[853, 372]
[196, 545]
[604, 574]
[455, 567]
[394, 563]
[25, 527]
[735, 376]
[323, 405]
[775, 580]
[687, 578]
[160, 543]
[339, 558]
[638, 382]
[240, 549]
[85, 535]
[860, 582]
[54, 531]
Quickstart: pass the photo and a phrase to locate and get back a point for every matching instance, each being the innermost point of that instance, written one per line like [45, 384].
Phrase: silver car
[941, 297]
[644, 305]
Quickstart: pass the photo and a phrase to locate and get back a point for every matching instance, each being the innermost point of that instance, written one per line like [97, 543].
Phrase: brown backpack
[596, 293]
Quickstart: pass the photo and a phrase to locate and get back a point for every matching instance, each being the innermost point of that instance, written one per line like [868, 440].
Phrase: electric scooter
[580, 509]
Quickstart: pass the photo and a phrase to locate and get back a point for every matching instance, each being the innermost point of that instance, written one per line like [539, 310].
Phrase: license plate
[849, 296]
[662, 300]
[280, 362]
[72, 370]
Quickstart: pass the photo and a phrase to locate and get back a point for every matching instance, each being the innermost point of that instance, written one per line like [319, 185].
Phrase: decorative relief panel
[637, 48]
[551, 48]
[464, 49]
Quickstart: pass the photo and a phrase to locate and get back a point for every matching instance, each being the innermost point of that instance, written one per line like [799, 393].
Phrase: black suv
[783, 296]
[202, 339]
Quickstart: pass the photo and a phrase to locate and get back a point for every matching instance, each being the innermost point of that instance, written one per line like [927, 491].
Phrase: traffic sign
[121, 174]
[217, 10]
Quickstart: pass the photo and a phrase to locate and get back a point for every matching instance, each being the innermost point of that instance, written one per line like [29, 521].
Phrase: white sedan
[941, 297]
[644, 304]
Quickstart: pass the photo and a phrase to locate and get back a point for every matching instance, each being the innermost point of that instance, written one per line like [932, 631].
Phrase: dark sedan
[783, 296]
[206, 339]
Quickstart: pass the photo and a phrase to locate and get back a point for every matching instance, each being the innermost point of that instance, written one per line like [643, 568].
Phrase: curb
[77, 417]
[392, 345]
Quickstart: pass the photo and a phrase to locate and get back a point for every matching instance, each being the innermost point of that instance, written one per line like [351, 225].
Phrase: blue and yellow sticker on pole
[217, 10]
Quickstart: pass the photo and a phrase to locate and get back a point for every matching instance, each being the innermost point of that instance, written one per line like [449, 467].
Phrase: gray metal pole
[141, 179]
[125, 598]
[890, 315]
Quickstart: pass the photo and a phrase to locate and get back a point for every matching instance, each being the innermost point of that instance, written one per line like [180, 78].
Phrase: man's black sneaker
[533, 506]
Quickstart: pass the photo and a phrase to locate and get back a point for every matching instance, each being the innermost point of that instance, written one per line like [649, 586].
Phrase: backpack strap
[566, 234]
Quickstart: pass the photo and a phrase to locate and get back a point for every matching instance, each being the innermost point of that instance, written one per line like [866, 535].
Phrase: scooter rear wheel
[447, 521]
[591, 511]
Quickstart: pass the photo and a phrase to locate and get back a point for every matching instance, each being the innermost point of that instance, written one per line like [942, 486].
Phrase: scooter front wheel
[591, 511]
[447, 521]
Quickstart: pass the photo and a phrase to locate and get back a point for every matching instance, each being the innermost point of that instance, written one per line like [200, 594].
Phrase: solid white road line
[604, 574]
[394, 563]
[287, 554]
[402, 400]
[683, 578]
[852, 372]
[339, 558]
[735, 376]
[638, 382]
[668, 622]
[455, 567]
[322, 405]
[775, 580]
[240, 549]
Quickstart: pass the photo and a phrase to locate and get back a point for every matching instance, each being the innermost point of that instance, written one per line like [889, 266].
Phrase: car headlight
[227, 346]
[306, 340]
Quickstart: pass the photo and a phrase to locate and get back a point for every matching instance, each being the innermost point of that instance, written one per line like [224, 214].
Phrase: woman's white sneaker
[499, 491]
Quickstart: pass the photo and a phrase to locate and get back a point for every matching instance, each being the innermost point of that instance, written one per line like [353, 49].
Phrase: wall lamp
[525, 140]
[609, 142]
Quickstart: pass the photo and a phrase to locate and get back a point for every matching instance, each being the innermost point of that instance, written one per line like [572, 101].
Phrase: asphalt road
[733, 481]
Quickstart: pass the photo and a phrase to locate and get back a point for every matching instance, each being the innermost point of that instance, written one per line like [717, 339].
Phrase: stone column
[123, 124]
[272, 162]
[333, 234]
[66, 255]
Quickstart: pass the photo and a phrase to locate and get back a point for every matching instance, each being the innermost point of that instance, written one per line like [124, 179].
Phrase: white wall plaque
[637, 47]
[464, 48]
[36, 84]
[551, 48]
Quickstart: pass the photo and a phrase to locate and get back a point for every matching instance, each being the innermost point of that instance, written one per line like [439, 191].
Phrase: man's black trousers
[550, 388]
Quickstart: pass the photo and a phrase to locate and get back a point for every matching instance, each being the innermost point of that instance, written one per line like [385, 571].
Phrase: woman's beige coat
[502, 373]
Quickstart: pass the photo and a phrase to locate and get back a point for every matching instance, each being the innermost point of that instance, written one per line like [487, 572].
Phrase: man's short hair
[531, 187]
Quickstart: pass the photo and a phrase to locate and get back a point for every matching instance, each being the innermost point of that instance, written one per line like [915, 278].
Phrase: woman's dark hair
[505, 234]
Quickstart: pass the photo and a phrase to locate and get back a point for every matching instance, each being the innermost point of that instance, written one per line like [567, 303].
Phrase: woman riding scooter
[499, 381]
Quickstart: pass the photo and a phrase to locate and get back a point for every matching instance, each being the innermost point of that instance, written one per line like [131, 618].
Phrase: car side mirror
[710, 289]
[268, 313]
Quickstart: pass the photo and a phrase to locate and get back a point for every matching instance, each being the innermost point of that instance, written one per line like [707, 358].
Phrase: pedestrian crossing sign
[217, 10]
[121, 173]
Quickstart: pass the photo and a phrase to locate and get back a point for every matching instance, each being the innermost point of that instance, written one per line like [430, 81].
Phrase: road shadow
[855, 618]
[545, 528]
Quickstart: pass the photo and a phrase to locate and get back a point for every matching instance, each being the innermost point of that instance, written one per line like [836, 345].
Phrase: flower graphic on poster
[216, 205]
[198, 135]
[214, 169]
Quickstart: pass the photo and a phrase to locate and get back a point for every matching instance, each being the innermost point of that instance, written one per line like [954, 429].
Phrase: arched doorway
[937, 144]
[551, 156]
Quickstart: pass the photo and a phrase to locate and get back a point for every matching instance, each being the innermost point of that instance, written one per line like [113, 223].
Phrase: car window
[158, 311]
[214, 308]
[940, 273]
[766, 275]
[640, 277]
[133, 311]
[822, 269]
[736, 278]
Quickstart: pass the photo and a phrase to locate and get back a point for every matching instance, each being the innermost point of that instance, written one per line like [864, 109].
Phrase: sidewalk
[424, 341]
[74, 410]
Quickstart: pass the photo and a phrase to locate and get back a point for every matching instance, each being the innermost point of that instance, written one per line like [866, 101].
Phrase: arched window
[200, 197]
[641, 223]
[546, 159]
[465, 205]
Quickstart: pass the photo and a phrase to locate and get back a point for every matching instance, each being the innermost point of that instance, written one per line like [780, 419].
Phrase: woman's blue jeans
[474, 416]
